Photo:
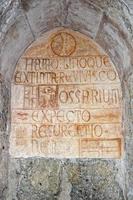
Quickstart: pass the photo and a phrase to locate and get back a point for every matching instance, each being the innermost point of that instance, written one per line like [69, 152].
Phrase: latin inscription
[66, 100]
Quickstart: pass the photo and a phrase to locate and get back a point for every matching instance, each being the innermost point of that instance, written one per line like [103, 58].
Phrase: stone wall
[110, 24]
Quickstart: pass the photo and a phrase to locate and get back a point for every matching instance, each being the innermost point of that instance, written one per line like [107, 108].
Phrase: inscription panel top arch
[66, 100]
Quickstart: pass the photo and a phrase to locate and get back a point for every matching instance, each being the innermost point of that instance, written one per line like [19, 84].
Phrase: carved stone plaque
[66, 100]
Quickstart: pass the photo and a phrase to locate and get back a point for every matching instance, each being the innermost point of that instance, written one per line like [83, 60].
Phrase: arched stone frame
[120, 161]
[20, 41]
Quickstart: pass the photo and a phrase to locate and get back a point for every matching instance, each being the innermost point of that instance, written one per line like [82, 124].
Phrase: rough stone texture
[120, 13]
[8, 12]
[115, 45]
[15, 40]
[129, 4]
[77, 21]
[4, 118]
[64, 13]
[129, 137]
[89, 179]
[39, 14]
[39, 179]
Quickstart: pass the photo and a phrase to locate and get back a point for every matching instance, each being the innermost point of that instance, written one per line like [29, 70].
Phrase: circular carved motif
[63, 44]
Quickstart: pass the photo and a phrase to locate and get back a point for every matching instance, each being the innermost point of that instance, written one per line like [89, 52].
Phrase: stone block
[84, 17]
[44, 15]
[112, 41]
[16, 40]
[46, 179]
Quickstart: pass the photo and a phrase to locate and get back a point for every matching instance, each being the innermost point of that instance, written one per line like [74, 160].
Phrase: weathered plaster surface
[110, 23]
[66, 100]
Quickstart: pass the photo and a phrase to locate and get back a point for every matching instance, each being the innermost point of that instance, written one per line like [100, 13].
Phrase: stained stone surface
[4, 111]
[66, 100]
[55, 179]
[110, 24]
